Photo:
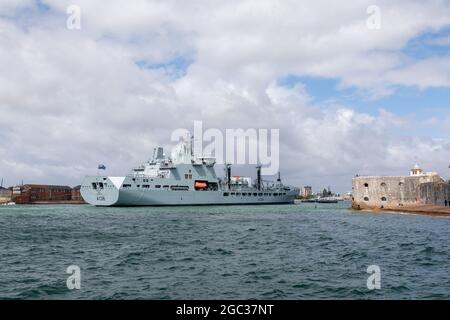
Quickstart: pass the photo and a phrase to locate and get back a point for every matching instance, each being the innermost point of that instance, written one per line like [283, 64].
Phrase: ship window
[366, 185]
[255, 194]
[138, 185]
[383, 184]
[179, 188]
[186, 176]
[233, 194]
[134, 179]
[401, 184]
[127, 185]
[244, 193]
[260, 194]
[145, 186]
[366, 199]
[284, 193]
[266, 194]
[166, 187]
[157, 186]
[225, 194]
[249, 194]
[383, 199]
[101, 185]
[94, 185]
[238, 194]
[190, 176]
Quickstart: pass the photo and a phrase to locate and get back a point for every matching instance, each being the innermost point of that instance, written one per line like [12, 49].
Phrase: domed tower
[416, 171]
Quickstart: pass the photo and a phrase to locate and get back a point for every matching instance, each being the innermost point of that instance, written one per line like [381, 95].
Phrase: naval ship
[182, 179]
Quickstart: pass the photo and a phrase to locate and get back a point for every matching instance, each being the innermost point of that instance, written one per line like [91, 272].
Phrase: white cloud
[71, 99]
[10, 6]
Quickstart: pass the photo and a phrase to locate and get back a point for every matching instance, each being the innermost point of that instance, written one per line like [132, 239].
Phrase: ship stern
[101, 190]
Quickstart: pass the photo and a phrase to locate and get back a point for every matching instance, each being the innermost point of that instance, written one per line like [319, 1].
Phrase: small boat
[328, 200]
[309, 200]
[8, 203]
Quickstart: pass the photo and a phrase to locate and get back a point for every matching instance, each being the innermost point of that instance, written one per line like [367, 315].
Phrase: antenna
[1, 185]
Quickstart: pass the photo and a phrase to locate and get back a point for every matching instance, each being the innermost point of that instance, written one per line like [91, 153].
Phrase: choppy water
[233, 252]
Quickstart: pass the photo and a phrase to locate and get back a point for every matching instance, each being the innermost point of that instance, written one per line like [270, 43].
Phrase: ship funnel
[160, 153]
[258, 177]
[228, 174]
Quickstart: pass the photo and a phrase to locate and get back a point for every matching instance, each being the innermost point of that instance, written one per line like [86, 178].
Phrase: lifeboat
[200, 185]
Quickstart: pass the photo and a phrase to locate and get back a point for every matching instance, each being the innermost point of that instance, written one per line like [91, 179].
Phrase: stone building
[394, 191]
[435, 193]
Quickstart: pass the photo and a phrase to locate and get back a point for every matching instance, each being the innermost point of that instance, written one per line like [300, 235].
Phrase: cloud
[135, 72]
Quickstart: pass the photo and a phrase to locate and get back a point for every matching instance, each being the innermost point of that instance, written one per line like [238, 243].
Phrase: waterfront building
[30, 193]
[395, 191]
[5, 195]
[307, 192]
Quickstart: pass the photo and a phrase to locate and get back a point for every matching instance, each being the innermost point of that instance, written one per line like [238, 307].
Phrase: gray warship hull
[112, 195]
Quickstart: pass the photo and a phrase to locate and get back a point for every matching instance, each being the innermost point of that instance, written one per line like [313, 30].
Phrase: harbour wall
[435, 193]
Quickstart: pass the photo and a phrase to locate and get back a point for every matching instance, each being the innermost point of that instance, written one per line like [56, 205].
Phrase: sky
[348, 98]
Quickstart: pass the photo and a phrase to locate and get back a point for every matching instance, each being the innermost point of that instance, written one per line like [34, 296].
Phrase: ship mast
[279, 184]
[228, 175]
[258, 177]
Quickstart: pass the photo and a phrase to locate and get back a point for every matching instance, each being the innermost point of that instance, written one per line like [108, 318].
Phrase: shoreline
[426, 210]
[47, 203]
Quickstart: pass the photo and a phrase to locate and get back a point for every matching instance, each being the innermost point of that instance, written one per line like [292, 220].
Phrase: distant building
[416, 171]
[394, 191]
[307, 191]
[30, 193]
[76, 194]
[5, 195]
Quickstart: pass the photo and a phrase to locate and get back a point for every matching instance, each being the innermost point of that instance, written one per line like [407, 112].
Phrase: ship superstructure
[182, 179]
